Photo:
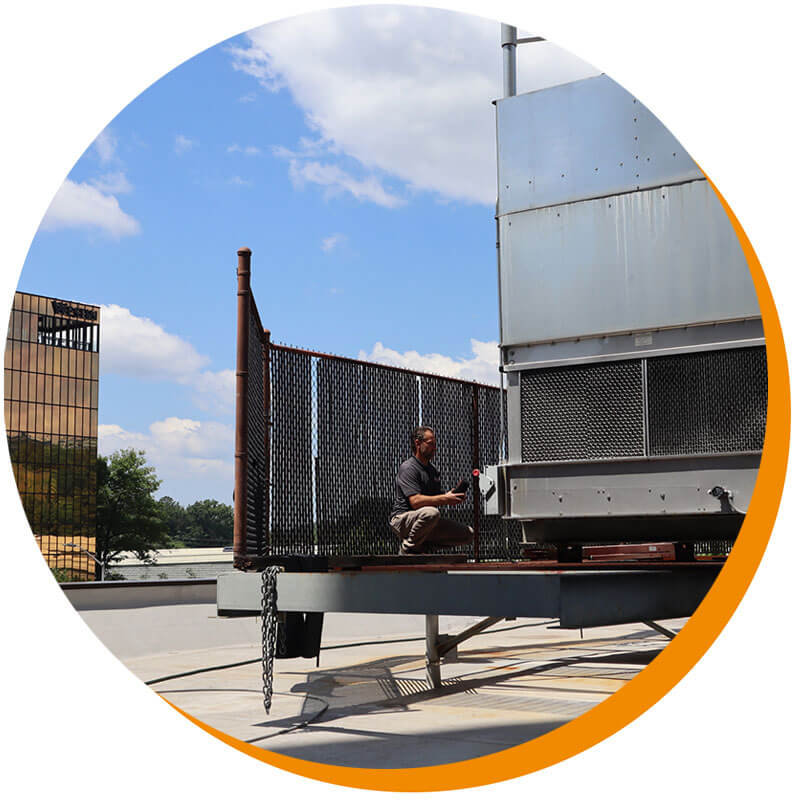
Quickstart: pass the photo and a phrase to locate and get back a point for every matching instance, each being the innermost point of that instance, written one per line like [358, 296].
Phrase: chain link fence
[323, 437]
[340, 430]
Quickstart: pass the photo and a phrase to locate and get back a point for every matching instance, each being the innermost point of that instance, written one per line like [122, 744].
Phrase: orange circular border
[665, 671]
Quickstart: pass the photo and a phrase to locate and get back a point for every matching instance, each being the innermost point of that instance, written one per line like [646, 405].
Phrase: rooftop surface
[368, 701]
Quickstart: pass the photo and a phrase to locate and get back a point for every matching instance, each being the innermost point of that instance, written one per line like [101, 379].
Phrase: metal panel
[644, 486]
[579, 140]
[719, 335]
[611, 599]
[651, 259]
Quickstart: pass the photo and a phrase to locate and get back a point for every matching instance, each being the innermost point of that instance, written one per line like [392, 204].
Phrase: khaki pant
[425, 529]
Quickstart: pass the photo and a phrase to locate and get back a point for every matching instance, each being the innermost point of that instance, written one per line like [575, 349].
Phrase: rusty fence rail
[319, 439]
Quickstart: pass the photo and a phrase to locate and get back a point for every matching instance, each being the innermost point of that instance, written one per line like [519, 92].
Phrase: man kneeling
[415, 517]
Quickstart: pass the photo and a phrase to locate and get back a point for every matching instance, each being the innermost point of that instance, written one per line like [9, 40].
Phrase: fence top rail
[289, 349]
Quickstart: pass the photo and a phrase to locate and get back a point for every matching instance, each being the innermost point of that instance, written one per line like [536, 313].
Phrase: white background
[722, 77]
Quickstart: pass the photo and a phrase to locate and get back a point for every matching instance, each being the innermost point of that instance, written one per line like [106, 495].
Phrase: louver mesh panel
[256, 442]
[712, 402]
[582, 413]
[292, 497]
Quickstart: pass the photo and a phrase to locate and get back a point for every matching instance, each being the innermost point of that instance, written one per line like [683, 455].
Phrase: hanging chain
[269, 626]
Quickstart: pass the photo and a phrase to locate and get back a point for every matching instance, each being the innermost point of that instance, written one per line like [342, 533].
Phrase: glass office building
[51, 385]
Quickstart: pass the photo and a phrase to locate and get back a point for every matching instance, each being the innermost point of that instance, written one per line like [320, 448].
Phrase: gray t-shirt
[414, 477]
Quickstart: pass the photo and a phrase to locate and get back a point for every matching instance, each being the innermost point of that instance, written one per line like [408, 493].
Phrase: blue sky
[353, 152]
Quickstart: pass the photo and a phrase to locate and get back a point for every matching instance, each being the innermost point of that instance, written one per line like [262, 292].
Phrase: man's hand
[453, 498]
[450, 499]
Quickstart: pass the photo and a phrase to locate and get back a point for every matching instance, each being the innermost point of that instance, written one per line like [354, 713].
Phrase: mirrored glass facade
[51, 388]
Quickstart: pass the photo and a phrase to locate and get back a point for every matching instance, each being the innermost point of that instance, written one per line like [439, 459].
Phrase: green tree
[211, 523]
[176, 520]
[128, 516]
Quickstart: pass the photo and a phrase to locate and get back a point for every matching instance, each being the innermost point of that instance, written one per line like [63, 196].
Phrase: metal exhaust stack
[508, 41]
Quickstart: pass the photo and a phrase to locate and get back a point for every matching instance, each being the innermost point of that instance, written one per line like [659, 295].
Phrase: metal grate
[711, 402]
[583, 413]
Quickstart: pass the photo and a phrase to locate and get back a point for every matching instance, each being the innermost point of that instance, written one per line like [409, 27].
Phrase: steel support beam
[578, 599]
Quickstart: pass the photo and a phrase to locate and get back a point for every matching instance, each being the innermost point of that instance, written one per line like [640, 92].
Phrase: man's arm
[448, 499]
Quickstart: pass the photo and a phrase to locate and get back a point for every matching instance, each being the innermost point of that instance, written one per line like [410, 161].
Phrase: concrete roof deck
[368, 702]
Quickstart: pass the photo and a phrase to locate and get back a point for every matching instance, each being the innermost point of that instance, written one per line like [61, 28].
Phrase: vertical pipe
[267, 440]
[476, 498]
[432, 658]
[502, 449]
[243, 301]
[508, 41]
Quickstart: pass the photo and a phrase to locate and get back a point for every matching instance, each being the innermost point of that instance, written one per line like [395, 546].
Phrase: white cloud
[249, 150]
[336, 181]
[482, 367]
[80, 205]
[215, 391]
[112, 183]
[332, 241]
[114, 437]
[405, 91]
[139, 348]
[238, 180]
[193, 459]
[183, 144]
[105, 145]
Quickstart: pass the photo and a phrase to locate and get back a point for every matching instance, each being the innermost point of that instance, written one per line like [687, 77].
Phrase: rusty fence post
[240, 447]
[476, 498]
